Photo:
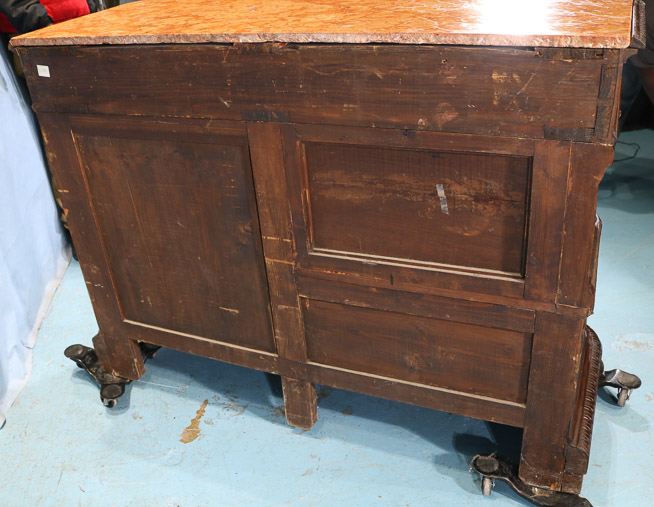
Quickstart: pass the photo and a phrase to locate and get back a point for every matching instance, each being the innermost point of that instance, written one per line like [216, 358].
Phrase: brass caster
[492, 467]
[621, 380]
[112, 387]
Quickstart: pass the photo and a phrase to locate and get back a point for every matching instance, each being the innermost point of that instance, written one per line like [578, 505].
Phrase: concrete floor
[60, 446]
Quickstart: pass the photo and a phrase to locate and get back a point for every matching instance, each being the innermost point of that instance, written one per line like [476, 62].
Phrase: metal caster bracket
[492, 468]
[112, 387]
[624, 382]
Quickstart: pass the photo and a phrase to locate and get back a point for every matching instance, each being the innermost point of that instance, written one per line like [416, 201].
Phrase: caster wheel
[148, 351]
[623, 381]
[623, 396]
[109, 403]
[110, 394]
[74, 352]
[486, 486]
[112, 386]
[491, 468]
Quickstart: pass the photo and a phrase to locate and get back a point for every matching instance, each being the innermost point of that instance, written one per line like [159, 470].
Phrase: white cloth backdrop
[33, 251]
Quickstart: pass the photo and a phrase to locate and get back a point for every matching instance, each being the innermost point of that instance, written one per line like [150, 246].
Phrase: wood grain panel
[278, 243]
[205, 347]
[179, 221]
[117, 349]
[277, 238]
[420, 205]
[480, 407]
[487, 91]
[416, 140]
[546, 219]
[578, 261]
[424, 305]
[300, 402]
[379, 271]
[608, 107]
[462, 357]
[553, 386]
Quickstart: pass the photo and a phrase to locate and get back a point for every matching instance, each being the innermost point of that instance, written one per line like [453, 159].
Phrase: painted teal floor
[61, 447]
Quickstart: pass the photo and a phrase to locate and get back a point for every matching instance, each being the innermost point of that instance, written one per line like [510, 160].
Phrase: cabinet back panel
[177, 221]
[462, 357]
[424, 205]
[491, 91]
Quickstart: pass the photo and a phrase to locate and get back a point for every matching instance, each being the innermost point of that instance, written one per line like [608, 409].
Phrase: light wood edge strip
[489, 274]
[201, 346]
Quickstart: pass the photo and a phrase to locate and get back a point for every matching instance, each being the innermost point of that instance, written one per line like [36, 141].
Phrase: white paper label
[43, 70]
[441, 195]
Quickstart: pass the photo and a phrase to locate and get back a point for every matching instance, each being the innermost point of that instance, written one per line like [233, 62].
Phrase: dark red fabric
[62, 10]
[58, 10]
[5, 25]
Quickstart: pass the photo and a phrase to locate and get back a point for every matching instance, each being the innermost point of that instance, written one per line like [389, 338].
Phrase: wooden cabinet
[411, 222]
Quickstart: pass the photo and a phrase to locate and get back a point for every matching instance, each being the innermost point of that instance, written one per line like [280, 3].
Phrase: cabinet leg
[299, 403]
[112, 386]
[119, 356]
[556, 366]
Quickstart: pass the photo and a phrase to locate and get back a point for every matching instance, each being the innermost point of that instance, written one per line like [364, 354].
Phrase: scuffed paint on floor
[192, 431]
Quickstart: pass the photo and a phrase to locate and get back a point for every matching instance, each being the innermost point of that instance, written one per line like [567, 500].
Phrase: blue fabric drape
[33, 251]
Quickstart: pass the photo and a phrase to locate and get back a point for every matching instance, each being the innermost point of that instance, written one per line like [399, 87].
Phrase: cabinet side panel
[120, 354]
[576, 284]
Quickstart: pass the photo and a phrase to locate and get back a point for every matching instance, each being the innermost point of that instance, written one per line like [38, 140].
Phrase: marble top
[554, 23]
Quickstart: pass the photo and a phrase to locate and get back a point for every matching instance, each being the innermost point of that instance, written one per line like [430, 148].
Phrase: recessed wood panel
[180, 232]
[462, 357]
[435, 207]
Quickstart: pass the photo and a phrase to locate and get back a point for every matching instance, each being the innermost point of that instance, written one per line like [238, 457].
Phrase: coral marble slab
[556, 23]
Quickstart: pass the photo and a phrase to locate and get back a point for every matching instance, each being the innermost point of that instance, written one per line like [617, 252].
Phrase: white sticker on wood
[43, 70]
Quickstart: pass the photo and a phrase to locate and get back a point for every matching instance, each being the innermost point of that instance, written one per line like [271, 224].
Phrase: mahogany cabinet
[415, 222]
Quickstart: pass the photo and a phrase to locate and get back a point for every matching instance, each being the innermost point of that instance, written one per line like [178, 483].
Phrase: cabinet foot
[492, 468]
[112, 387]
[300, 403]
